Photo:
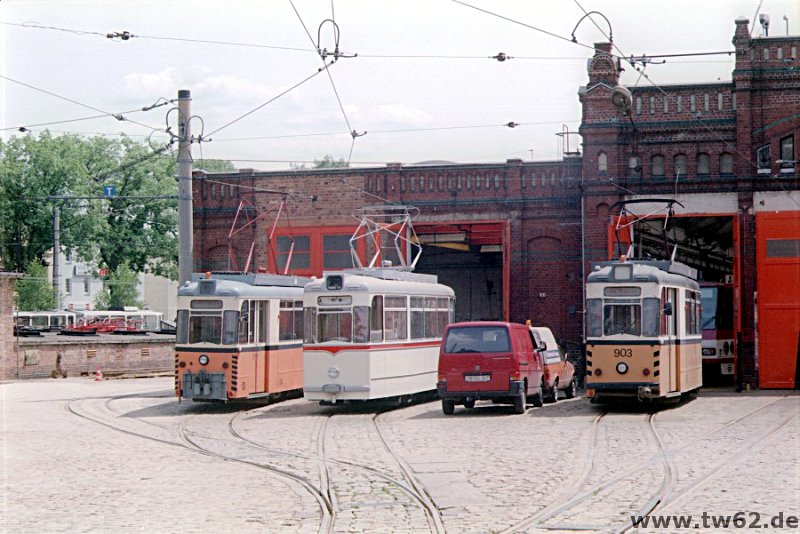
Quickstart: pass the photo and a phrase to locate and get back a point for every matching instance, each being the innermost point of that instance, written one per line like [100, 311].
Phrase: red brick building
[516, 239]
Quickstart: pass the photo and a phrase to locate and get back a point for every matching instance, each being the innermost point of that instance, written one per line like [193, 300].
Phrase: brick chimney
[603, 67]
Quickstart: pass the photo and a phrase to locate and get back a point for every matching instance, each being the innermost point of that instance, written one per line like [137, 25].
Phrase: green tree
[329, 163]
[214, 165]
[119, 289]
[34, 291]
[31, 169]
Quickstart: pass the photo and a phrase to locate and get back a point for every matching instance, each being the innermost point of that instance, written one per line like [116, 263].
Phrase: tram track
[187, 441]
[734, 458]
[408, 485]
[662, 497]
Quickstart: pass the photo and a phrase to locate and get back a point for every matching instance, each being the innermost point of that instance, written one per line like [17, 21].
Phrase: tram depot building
[516, 240]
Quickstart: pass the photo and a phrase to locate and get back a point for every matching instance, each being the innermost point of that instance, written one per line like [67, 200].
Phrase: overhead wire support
[323, 54]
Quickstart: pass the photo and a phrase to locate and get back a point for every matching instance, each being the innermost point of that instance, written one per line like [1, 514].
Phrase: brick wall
[7, 354]
[110, 354]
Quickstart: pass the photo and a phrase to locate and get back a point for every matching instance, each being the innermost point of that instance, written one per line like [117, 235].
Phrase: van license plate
[477, 378]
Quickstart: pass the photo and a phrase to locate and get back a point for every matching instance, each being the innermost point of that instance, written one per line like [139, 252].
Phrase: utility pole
[185, 216]
[57, 254]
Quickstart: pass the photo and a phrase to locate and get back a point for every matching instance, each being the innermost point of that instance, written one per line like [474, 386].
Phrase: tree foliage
[39, 173]
[119, 290]
[328, 162]
[34, 291]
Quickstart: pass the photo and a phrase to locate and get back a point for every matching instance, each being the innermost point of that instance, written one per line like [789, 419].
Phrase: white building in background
[79, 287]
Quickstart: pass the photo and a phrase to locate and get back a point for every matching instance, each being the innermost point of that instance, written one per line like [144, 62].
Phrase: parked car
[559, 373]
[489, 360]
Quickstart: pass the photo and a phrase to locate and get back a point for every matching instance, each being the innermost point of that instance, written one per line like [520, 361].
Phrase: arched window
[657, 166]
[602, 163]
[703, 164]
[726, 163]
[681, 163]
[634, 166]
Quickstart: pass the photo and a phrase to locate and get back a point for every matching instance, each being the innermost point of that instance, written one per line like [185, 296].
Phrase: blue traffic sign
[109, 191]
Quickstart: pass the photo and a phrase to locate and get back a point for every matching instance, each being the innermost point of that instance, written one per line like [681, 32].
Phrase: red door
[778, 273]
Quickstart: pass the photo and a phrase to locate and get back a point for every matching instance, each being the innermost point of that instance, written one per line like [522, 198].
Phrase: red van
[488, 360]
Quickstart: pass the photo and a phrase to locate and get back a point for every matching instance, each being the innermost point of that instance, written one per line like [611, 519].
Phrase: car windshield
[477, 339]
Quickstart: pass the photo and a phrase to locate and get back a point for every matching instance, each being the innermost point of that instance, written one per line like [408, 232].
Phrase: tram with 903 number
[373, 334]
[239, 336]
[643, 334]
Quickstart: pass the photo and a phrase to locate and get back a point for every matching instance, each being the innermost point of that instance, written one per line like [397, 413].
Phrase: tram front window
[335, 327]
[205, 329]
[621, 318]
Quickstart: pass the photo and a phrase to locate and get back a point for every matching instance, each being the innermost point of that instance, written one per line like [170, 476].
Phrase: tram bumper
[642, 390]
[204, 386]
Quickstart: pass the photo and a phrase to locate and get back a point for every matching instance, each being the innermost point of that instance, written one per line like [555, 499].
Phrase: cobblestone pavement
[125, 456]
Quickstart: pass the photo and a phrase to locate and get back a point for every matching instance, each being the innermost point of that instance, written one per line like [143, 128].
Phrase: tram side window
[230, 327]
[310, 325]
[669, 323]
[396, 315]
[360, 324]
[417, 317]
[692, 312]
[594, 317]
[182, 327]
[244, 322]
[290, 320]
[376, 319]
[651, 320]
[263, 307]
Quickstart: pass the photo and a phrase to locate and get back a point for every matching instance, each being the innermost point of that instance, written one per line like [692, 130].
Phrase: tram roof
[655, 271]
[245, 285]
[384, 281]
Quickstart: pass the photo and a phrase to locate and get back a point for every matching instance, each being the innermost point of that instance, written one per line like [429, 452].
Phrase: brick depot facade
[516, 239]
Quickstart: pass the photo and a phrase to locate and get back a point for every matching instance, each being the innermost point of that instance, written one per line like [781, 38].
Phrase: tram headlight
[622, 368]
[203, 359]
[333, 372]
[709, 351]
[726, 348]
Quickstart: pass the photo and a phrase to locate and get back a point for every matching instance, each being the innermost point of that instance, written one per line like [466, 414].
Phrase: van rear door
[477, 358]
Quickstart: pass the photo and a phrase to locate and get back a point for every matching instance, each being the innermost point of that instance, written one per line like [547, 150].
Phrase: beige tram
[643, 332]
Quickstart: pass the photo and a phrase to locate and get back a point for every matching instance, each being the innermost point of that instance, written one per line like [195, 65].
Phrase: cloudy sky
[423, 86]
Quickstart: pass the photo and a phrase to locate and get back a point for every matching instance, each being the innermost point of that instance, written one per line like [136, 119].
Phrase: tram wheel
[448, 407]
[469, 404]
[572, 390]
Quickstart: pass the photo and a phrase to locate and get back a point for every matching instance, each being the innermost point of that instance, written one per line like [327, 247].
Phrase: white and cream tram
[44, 321]
[643, 335]
[373, 334]
[239, 336]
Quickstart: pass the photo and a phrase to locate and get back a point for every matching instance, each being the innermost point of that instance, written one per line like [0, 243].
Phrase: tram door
[669, 351]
